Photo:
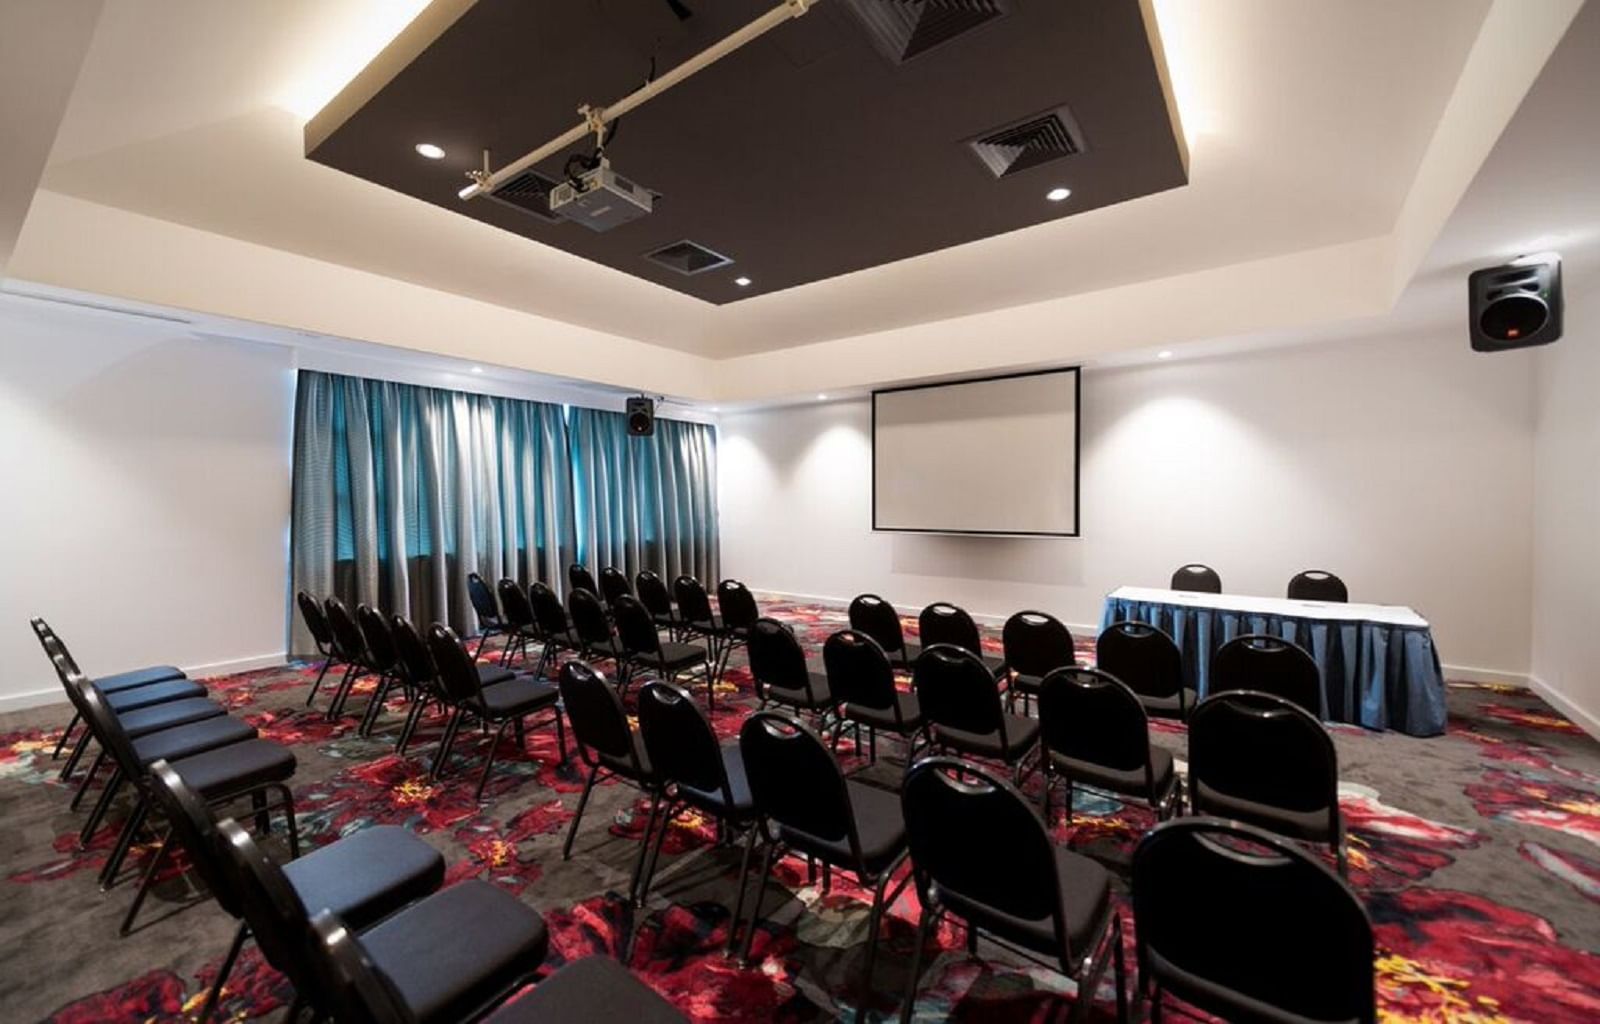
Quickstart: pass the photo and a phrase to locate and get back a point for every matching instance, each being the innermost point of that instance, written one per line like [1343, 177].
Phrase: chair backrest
[794, 779]
[977, 842]
[614, 584]
[482, 598]
[268, 902]
[579, 576]
[635, 627]
[457, 672]
[1213, 904]
[516, 608]
[957, 691]
[653, 593]
[377, 637]
[1142, 656]
[1037, 642]
[348, 985]
[776, 657]
[1262, 748]
[1088, 715]
[1256, 661]
[1197, 579]
[412, 657]
[347, 636]
[738, 605]
[102, 721]
[598, 719]
[194, 826]
[872, 615]
[547, 610]
[944, 623]
[588, 616]
[693, 604]
[679, 739]
[52, 643]
[316, 621]
[859, 671]
[1318, 585]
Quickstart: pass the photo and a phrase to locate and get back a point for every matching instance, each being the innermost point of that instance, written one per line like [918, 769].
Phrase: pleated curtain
[401, 491]
[645, 502]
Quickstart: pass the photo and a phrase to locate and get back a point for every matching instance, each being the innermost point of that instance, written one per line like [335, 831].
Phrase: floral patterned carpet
[1477, 853]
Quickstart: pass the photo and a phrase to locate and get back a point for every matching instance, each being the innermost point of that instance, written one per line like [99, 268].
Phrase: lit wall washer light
[822, 398]
[1056, 195]
[742, 282]
[430, 151]
[1164, 354]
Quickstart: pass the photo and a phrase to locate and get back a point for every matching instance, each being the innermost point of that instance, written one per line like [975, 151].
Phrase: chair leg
[655, 854]
[318, 684]
[644, 849]
[258, 801]
[755, 909]
[214, 993]
[711, 689]
[345, 682]
[561, 733]
[145, 882]
[286, 799]
[583, 801]
[1120, 967]
[413, 717]
[874, 919]
[744, 875]
[488, 760]
[924, 931]
[375, 705]
[77, 754]
[445, 742]
[62, 741]
[101, 806]
[119, 852]
[88, 778]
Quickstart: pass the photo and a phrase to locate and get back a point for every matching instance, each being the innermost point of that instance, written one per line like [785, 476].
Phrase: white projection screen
[997, 455]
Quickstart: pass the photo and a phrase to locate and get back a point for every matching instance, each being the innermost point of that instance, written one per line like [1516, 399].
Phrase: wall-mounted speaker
[1516, 305]
[641, 416]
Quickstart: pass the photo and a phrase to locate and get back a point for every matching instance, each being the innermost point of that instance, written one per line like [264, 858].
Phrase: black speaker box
[1516, 305]
[641, 416]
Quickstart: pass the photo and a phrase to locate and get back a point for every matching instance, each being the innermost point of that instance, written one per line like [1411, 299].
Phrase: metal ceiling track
[595, 119]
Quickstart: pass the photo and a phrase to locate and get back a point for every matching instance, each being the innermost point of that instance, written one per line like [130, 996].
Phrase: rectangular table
[1379, 665]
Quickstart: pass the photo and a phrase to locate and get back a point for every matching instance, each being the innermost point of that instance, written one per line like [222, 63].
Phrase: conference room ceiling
[807, 154]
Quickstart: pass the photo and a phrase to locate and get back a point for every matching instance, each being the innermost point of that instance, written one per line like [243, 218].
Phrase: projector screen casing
[974, 469]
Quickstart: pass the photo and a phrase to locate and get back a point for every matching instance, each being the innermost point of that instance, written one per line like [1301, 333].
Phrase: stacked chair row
[438, 673]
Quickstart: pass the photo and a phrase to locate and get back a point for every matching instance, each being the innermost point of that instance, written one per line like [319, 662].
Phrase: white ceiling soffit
[1328, 143]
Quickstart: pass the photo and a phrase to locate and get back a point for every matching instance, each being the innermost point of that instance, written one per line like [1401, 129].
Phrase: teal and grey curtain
[401, 491]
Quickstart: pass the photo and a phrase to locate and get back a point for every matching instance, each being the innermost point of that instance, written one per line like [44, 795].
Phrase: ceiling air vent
[904, 29]
[528, 192]
[1028, 143]
[687, 258]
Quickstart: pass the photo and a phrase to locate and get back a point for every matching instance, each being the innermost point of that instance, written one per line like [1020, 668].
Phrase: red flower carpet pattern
[1477, 854]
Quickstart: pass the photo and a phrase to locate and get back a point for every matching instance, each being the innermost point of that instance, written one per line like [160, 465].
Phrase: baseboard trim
[1584, 719]
[53, 695]
[1472, 674]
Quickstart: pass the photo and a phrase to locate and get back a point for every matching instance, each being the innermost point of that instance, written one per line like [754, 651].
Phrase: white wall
[1566, 597]
[1405, 465]
[146, 503]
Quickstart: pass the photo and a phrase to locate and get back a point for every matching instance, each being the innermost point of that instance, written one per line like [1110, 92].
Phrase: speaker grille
[528, 192]
[687, 258]
[903, 29]
[1028, 143]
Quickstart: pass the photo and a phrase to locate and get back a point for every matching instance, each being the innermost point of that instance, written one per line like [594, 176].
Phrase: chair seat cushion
[625, 768]
[585, 991]
[367, 875]
[1085, 888]
[1021, 733]
[195, 738]
[1168, 707]
[883, 718]
[458, 949]
[606, 649]
[144, 721]
[237, 767]
[711, 625]
[519, 696]
[153, 693]
[490, 675]
[1313, 824]
[879, 825]
[738, 786]
[138, 677]
[819, 697]
[677, 657]
[1129, 782]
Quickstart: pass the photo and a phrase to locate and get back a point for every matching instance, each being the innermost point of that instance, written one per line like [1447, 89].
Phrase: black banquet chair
[780, 673]
[591, 626]
[1214, 902]
[1256, 661]
[587, 991]
[382, 656]
[645, 651]
[1149, 663]
[980, 853]
[695, 617]
[353, 645]
[654, 595]
[877, 618]
[614, 584]
[739, 615]
[1318, 585]
[1263, 760]
[1035, 644]
[316, 621]
[521, 627]
[580, 578]
[554, 625]
[505, 704]
[490, 622]
[945, 623]
[861, 679]
[109, 684]
[809, 807]
[1197, 579]
[1093, 732]
[964, 710]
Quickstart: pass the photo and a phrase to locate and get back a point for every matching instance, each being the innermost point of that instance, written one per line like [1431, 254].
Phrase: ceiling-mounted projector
[600, 199]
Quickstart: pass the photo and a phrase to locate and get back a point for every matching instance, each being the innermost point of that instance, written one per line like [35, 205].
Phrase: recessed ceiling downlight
[1056, 195]
[430, 151]
[742, 282]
